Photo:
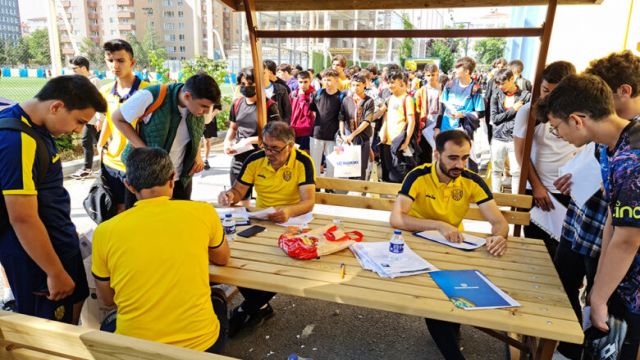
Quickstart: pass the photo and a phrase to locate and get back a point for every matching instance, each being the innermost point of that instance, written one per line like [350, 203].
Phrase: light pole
[466, 44]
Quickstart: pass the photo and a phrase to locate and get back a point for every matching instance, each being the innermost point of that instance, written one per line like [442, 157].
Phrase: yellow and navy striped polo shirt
[277, 187]
[448, 203]
[117, 141]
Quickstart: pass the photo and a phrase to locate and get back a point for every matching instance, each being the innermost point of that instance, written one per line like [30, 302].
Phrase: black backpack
[99, 203]
[42, 154]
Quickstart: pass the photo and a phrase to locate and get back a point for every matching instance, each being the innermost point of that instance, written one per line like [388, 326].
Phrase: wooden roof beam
[434, 33]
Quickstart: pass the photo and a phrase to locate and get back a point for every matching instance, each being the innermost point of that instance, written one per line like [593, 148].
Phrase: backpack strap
[41, 148]
[158, 102]
[236, 106]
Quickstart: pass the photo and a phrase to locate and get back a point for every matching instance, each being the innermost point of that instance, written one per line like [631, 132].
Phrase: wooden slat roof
[304, 5]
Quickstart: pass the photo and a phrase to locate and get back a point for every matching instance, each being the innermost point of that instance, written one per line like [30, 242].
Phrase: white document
[429, 134]
[550, 221]
[238, 214]
[242, 146]
[374, 256]
[585, 174]
[470, 242]
[262, 214]
[298, 220]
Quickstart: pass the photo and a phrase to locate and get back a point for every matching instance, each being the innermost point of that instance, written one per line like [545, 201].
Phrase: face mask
[248, 91]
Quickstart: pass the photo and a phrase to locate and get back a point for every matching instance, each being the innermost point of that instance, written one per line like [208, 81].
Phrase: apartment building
[9, 20]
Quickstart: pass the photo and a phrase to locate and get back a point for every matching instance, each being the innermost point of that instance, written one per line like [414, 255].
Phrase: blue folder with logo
[471, 290]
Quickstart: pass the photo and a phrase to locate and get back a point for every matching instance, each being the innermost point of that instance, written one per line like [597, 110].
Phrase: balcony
[92, 3]
[66, 3]
[94, 27]
[65, 39]
[124, 2]
[92, 15]
[126, 27]
[95, 39]
[67, 50]
[125, 14]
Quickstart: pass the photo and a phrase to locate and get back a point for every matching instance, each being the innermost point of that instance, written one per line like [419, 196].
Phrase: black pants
[254, 299]
[572, 268]
[445, 335]
[236, 167]
[534, 232]
[426, 155]
[617, 308]
[182, 192]
[89, 138]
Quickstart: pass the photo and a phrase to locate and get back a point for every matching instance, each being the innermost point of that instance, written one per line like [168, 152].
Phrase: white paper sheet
[470, 242]
[238, 214]
[550, 221]
[298, 220]
[242, 146]
[585, 174]
[374, 256]
[262, 214]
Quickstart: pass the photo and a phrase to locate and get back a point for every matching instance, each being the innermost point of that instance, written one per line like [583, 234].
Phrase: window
[181, 37]
[168, 14]
[180, 14]
[169, 26]
[169, 37]
[181, 26]
[183, 48]
[167, 3]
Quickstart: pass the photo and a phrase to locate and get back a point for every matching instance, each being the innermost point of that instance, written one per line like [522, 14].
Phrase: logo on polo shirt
[286, 174]
[456, 194]
[58, 313]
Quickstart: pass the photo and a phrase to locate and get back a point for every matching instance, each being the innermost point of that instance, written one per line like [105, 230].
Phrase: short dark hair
[366, 73]
[279, 130]
[358, 77]
[393, 67]
[373, 68]
[618, 69]
[329, 73]
[466, 62]
[217, 107]
[499, 61]
[311, 71]
[117, 45]
[341, 59]
[75, 91]
[285, 68]
[245, 73]
[203, 86]
[148, 167]
[79, 61]
[457, 136]
[431, 68]
[270, 65]
[396, 75]
[557, 71]
[298, 67]
[503, 75]
[517, 64]
[577, 93]
[304, 75]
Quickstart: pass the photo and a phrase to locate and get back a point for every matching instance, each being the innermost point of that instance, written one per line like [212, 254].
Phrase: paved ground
[319, 329]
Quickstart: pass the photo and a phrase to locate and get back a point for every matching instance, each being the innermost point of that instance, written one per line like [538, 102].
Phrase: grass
[21, 89]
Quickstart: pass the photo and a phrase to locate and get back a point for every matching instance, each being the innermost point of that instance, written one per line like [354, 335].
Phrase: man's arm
[221, 254]
[307, 200]
[497, 242]
[237, 192]
[105, 292]
[33, 236]
[613, 266]
[126, 129]
[400, 219]
[540, 193]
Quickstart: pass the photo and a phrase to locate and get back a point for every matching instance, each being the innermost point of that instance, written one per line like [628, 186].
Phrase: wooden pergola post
[258, 69]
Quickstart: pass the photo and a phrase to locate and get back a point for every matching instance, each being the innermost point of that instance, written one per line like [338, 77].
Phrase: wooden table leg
[545, 349]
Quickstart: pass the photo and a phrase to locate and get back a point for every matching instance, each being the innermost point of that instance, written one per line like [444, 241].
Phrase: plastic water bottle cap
[397, 232]
[227, 216]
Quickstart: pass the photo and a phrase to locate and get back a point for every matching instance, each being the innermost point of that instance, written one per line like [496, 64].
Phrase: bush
[218, 70]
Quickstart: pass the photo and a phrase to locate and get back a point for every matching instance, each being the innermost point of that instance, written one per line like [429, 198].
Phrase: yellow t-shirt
[277, 188]
[117, 141]
[448, 203]
[156, 257]
[396, 120]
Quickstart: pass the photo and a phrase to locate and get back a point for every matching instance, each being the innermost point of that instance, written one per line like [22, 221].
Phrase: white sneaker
[558, 356]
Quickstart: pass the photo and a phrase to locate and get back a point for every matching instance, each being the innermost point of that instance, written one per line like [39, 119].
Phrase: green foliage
[65, 142]
[149, 52]
[93, 52]
[156, 61]
[216, 69]
[489, 49]
[406, 47]
[38, 43]
[32, 49]
[443, 50]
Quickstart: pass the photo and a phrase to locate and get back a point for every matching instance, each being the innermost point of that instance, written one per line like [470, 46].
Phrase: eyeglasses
[273, 149]
[554, 129]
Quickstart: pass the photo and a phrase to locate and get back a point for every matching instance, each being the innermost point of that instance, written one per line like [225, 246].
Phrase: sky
[33, 8]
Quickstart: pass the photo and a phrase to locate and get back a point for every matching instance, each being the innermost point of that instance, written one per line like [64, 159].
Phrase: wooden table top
[525, 272]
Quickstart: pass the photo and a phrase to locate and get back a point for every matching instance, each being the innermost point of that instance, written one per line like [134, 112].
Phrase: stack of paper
[374, 256]
[470, 242]
[293, 221]
[239, 214]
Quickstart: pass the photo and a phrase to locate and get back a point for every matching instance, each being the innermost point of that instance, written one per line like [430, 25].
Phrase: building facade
[9, 21]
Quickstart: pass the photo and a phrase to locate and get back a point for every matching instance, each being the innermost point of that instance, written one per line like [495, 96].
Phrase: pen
[469, 243]
[341, 270]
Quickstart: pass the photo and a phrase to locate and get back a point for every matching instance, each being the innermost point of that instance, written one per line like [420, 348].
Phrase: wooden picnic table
[525, 272]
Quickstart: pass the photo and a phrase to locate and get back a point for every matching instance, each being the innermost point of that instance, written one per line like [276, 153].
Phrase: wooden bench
[25, 337]
[520, 204]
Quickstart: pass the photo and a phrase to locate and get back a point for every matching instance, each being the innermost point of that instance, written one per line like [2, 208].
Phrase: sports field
[20, 89]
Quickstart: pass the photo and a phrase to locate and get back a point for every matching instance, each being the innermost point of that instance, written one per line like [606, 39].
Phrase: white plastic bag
[346, 160]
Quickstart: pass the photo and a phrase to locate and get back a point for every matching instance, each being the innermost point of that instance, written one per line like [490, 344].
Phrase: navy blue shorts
[115, 181]
[29, 285]
[303, 141]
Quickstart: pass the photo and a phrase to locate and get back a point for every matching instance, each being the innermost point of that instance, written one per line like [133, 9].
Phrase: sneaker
[206, 165]
[240, 319]
[10, 306]
[81, 174]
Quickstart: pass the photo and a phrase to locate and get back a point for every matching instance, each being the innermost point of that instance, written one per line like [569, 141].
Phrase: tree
[406, 47]
[216, 69]
[489, 49]
[444, 50]
[38, 44]
[143, 49]
[93, 52]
